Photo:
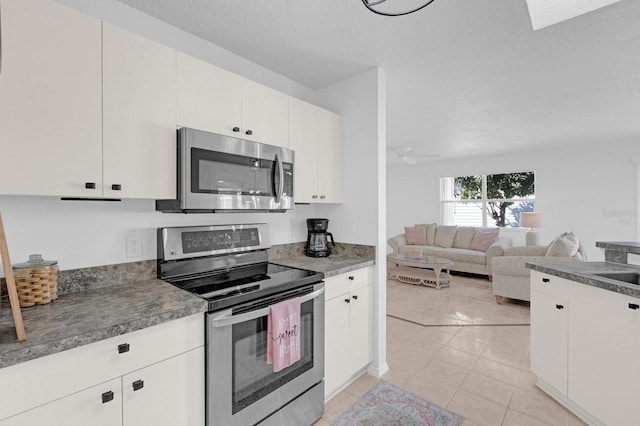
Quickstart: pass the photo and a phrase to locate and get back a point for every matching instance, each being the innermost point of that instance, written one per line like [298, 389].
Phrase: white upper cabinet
[50, 100]
[303, 139]
[330, 156]
[218, 101]
[208, 97]
[139, 116]
[265, 114]
[315, 135]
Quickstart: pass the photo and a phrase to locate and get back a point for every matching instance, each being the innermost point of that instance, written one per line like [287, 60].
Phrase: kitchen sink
[624, 276]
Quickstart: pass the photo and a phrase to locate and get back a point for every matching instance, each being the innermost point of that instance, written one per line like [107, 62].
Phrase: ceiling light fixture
[372, 6]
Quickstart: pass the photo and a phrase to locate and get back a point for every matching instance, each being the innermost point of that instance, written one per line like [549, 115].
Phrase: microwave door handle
[229, 319]
[279, 168]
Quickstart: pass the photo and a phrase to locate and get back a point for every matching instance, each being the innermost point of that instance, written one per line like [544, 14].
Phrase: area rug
[467, 301]
[386, 404]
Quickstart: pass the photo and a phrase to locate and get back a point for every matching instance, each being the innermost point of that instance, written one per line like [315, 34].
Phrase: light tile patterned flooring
[480, 372]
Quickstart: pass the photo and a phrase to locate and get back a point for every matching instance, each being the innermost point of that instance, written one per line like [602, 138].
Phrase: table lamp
[532, 221]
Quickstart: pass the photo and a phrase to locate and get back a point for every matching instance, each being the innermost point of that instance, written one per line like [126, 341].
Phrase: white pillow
[565, 245]
[445, 236]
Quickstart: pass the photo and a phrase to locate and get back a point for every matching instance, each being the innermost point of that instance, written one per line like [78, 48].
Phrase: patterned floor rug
[387, 405]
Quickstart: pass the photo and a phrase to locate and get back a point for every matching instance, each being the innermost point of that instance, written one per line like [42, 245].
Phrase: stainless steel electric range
[227, 265]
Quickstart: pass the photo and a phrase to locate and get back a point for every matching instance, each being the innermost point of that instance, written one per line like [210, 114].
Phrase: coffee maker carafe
[318, 238]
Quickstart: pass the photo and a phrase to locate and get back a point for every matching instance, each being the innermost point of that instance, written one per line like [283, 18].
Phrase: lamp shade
[531, 220]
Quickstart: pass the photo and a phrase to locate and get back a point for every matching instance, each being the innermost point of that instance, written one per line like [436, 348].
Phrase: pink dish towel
[283, 334]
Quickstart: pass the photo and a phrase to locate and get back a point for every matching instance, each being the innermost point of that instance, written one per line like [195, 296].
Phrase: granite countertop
[580, 272]
[623, 246]
[88, 316]
[330, 266]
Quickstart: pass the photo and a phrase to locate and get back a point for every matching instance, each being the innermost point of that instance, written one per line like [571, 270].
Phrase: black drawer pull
[347, 300]
[634, 306]
[559, 307]
[545, 280]
[90, 185]
[236, 129]
[351, 278]
[122, 348]
[107, 396]
[355, 297]
[138, 384]
[116, 187]
[249, 132]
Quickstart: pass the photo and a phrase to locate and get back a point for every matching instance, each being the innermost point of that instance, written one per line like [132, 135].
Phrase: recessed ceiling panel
[548, 12]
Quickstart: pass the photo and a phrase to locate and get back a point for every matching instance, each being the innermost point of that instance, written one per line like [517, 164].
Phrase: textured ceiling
[463, 77]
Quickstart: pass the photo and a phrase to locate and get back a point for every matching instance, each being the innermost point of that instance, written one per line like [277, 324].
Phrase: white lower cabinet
[348, 327]
[585, 350]
[153, 376]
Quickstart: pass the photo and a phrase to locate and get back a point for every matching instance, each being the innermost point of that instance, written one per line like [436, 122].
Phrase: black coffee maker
[317, 238]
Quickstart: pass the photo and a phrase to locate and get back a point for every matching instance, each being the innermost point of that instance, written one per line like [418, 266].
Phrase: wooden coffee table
[421, 270]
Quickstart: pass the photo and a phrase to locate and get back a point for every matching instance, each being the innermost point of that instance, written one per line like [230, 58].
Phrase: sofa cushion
[463, 256]
[431, 232]
[483, 238]
[445, 236]
[565, 244]
[416, 235]
[464, 235]
[411, 250]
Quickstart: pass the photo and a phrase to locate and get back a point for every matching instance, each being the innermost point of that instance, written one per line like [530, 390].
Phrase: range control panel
[206, 241]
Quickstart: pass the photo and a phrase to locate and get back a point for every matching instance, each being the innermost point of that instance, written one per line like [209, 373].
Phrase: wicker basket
[36, 281]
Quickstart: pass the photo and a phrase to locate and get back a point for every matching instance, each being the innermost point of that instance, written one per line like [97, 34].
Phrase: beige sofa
[511, 277]
[457, 244]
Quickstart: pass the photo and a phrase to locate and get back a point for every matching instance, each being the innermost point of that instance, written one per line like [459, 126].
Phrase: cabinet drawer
[347, 282]
[550, 285]
[41, 380]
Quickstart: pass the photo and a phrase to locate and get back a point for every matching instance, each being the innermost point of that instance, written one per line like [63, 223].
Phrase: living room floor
[474, 362]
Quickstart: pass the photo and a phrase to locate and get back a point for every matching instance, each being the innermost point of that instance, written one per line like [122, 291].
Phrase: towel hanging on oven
[283, 334]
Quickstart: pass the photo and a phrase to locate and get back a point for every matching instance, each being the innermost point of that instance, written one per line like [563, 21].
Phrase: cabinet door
[330, 162]
[603, 354]
[50, 100]
[265, 114]
[209, 98]
[549, 339]
[139, 116]
[87, 407]
[303, 139]
[361, 333]
[170, 392]
[337, 368]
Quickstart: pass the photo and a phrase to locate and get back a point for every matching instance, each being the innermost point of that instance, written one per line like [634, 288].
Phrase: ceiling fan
[408, 154]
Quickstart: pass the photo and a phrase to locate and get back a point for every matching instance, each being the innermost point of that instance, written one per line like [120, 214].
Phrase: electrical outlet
[134, 246]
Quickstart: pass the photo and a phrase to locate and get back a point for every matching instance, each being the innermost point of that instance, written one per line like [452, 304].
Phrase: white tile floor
[480, 372]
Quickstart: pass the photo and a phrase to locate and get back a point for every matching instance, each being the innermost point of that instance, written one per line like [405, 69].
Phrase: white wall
[588, 189]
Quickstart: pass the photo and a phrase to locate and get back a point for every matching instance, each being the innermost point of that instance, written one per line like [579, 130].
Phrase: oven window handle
[226, 318]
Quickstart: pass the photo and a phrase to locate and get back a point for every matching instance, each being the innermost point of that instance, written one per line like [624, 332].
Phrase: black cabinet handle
[347, 300]
[107, 396]
[351, 278]
[137, 385]
[116, 187]
[249, 132]
[545, 280]
[122, 348]
[236, 129]
[559, 307]
[355, 297]
[90, 185]
[315, 197]
[634, 306]
[322, 197]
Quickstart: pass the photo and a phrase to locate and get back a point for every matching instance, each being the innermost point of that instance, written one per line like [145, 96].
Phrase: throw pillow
[445, 236]
[416, 235]
[464, 236]
[564, 245]
[431, 232]
[483, 238]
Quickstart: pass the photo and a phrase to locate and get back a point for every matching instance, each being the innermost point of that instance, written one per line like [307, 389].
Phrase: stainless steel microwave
[219, 173]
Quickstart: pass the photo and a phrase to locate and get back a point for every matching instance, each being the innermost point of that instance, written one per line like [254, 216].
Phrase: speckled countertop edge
[623, 246]
[330, 266]
[580, 272]
[85, 317]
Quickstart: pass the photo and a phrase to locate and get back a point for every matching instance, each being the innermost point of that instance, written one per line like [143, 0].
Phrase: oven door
[242, 388]
[223, 173]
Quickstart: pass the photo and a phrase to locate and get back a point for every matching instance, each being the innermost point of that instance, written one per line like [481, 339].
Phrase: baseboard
[378, 370]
